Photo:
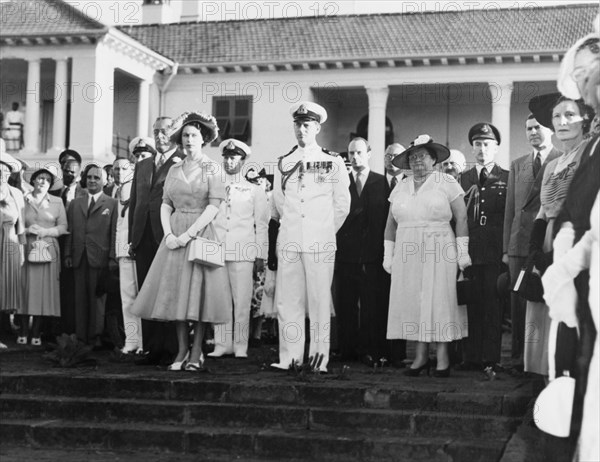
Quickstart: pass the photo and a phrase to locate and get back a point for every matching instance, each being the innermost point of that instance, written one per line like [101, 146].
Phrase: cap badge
[302, 110]
[485, 129]
[231, 146]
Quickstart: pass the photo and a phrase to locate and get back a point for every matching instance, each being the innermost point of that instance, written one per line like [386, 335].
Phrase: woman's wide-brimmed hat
[13, 164]
[565, 83]
[438, 151]
[50, 170]
[206, 120]
[541, 107]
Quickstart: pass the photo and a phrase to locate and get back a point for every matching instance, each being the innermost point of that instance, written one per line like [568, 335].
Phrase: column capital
[34, 60]
[501, 92]
[377, 95]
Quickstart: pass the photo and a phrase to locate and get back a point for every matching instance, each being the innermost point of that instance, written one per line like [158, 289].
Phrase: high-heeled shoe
[442, 373]
[179, 365]
[415, 372]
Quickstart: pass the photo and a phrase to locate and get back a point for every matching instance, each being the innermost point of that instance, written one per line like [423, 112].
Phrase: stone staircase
[264, 415]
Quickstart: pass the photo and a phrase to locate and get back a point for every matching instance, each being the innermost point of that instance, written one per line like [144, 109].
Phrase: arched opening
[362, 130]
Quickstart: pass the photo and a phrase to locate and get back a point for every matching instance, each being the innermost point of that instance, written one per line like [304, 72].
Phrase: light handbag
[41, 252]
[554, 405]
[207, 251]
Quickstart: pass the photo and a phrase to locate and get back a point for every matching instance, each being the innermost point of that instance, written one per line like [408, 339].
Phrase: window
[233, 114]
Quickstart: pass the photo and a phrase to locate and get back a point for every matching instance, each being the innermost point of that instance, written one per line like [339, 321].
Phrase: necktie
[537, 164]
[359, 185]
[91, 206]
[393, 183]
[64, 196]
[483, 175]
[161, 160]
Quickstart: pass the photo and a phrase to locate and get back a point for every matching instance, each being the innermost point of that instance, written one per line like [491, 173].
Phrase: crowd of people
[381, 255]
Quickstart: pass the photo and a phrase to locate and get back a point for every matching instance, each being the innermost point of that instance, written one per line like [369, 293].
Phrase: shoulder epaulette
[331, 153]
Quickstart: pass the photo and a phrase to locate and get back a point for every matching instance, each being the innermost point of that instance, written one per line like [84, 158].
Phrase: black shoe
[368, 361]
[148, 360]
[397, 364]
[415, 372]
[442, 373]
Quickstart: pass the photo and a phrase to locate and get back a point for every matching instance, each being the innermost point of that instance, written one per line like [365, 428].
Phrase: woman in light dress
[421, 253]
[176, 289]
[45, 219]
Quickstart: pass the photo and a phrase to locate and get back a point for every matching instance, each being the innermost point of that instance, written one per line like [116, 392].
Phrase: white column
[501, 93]
[32, 114]
[61, 97]
[92, 107]
[377, 106]
[143, 108]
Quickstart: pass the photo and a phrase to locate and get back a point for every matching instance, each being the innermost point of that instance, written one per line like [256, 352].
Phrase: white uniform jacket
[314, 201]
[243, 220]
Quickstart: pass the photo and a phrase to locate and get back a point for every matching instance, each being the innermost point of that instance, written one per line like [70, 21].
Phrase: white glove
[563, 241]
[183, 239]
[210, 212]
[172, 242]
[388, 255]
[560, 294]
[462, 249]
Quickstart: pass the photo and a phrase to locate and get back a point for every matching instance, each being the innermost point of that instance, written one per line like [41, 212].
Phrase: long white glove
[388, 255]
[558, 281]
[165, 220]
[210, 212]
[462, 248]
[563, 241]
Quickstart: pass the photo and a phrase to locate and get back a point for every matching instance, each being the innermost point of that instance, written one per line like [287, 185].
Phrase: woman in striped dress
[571, 122]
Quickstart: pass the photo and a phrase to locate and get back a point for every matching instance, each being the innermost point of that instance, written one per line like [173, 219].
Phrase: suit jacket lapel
[536, 186]
[98, 203]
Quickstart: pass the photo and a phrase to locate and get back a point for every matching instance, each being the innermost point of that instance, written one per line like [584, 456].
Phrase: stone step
[275, 444]
[424, 395]
[364, 421]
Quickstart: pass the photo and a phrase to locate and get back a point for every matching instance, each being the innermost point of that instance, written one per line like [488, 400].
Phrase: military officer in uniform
[312, 201]
[485, 187]
[241, 224]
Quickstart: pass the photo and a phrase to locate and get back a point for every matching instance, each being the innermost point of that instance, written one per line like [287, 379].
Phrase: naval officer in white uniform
[241, 224]
[312, 201]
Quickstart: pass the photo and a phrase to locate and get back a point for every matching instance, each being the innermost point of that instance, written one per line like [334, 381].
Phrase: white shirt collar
[544, 152]
[363, 173]
[95, 196]
[488, 167]
[167, 155]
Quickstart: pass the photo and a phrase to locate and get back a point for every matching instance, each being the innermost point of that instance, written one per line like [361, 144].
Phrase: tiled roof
[40, 18]
[477, 33]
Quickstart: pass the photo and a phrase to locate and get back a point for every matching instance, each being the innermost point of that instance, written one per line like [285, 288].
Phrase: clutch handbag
[529, 284]
[41, 251]
[207, 251]
[467, 291]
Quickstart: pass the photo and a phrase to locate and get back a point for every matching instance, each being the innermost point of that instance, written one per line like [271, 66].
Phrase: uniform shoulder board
[285, 155]
[331, 153]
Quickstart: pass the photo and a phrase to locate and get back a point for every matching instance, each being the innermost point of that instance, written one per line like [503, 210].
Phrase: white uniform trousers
[233, 336]
[304, 282]
[129, 290]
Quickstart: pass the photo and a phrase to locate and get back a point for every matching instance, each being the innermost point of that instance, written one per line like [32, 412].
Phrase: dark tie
[64, 196]
[359, 185]
[91, 206]
[161, 160]
[483, 176]
[537, 164]
[393, 183]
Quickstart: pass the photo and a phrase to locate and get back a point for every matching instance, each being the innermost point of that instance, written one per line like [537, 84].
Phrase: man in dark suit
[522, 206]
[361, 284]
[89, 247]
[485, 187]
[145, 233]
[70, 163]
